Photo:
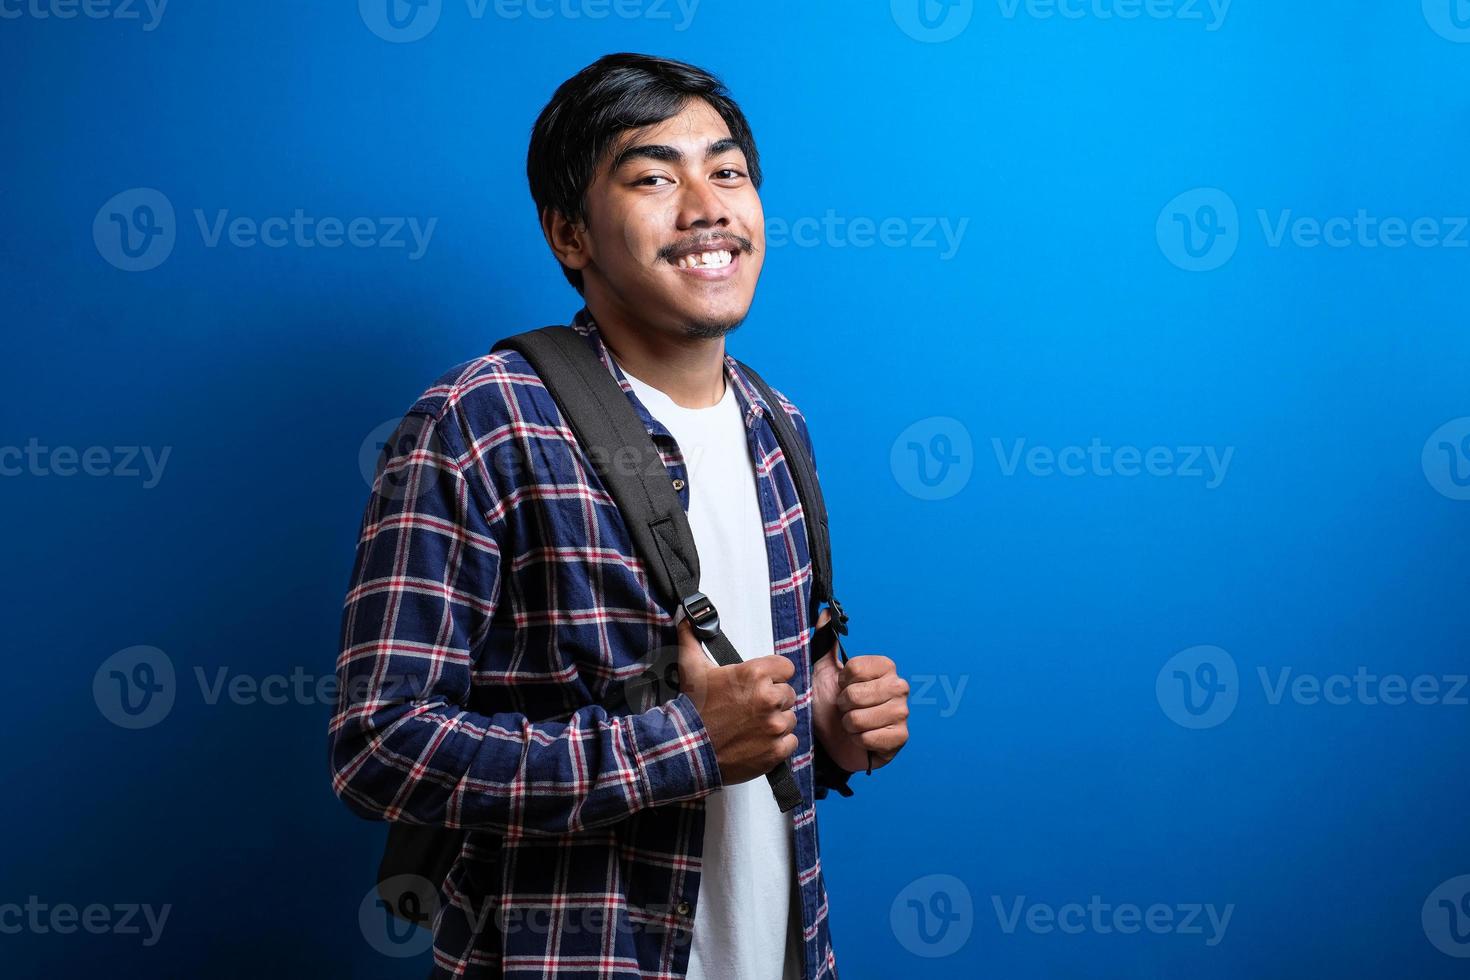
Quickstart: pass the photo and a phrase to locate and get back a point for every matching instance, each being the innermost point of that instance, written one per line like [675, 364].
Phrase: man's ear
[568, 241]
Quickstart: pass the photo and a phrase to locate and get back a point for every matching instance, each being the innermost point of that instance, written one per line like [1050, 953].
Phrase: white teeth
[705, 260]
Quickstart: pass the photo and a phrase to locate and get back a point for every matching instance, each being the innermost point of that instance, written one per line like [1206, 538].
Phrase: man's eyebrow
[668, 154]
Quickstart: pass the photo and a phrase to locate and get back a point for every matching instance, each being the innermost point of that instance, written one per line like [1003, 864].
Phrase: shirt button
[682, 908]
[678, 484]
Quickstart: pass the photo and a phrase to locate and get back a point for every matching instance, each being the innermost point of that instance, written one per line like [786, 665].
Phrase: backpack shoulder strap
[804, 474]
[813, 506]
[607, 428]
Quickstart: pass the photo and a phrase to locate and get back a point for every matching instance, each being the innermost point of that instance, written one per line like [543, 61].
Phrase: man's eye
[644, 181]
[730, 173]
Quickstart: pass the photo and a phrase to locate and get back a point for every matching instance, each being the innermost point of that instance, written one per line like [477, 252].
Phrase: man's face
[675, 234]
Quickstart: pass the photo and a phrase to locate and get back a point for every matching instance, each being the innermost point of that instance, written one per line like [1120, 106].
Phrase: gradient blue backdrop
[1046, 605]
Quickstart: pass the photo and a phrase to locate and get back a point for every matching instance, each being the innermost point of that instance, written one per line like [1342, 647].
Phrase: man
[493, 570]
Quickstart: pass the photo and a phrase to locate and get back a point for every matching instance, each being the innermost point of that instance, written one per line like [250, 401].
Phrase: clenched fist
[859, 706]
[746, 707]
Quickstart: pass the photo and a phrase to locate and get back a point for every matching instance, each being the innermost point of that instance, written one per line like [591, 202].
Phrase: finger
[867, 694]
[785, 697]
[876, 718]
[688, 643]
[774, 667]
[886, 740]
[867, 667]
[693, 666]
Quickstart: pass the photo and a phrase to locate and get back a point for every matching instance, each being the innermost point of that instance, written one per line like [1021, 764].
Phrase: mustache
[727, 242]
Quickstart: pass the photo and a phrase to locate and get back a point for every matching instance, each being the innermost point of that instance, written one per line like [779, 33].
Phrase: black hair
[615, 93]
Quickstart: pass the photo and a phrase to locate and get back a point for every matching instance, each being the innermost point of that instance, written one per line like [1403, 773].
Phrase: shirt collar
[752, 405]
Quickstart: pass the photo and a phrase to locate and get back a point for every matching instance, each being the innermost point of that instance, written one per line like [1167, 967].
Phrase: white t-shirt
[748, 896]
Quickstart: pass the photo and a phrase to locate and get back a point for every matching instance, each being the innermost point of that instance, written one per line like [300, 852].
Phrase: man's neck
[690, 370]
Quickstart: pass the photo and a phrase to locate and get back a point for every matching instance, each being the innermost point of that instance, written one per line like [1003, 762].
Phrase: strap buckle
[702, 615]
[839, 618]
[826, 636]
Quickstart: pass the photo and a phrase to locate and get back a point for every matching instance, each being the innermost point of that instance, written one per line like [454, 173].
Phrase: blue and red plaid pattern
[497, 622]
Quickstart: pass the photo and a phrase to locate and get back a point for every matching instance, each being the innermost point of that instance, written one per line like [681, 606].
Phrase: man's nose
[701, 206]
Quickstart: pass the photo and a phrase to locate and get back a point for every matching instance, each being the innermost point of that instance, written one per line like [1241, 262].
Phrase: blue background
[1059, 772]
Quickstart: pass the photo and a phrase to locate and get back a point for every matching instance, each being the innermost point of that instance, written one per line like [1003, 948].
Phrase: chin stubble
[711, 329]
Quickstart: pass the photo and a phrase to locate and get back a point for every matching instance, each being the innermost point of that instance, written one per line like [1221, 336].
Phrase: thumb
[694, 664]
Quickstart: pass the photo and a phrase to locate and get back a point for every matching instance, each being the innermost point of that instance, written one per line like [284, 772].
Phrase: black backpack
[418, 858]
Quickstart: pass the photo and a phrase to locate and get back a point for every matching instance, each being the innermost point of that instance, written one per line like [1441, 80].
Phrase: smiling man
[498, 607]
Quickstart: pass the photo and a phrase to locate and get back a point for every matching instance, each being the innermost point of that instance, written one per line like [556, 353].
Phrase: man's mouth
[713, 258]
[716, 259]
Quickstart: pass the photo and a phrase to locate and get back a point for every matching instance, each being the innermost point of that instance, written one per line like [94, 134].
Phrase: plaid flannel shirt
[498, 637]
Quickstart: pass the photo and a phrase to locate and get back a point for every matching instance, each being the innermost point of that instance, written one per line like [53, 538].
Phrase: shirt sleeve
[402, 744]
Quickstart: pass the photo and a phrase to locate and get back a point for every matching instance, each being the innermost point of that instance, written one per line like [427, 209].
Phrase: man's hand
[746, 707]
[859, 706]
